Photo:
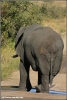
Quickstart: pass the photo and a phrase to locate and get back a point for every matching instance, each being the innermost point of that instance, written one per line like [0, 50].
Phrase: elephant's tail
[14, 56]
[51, 76]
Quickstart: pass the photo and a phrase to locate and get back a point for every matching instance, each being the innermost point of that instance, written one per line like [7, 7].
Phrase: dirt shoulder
[33, 96]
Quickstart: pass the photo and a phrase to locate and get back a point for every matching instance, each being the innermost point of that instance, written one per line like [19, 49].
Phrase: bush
[24, 13]
[16, 14]
[51, 11]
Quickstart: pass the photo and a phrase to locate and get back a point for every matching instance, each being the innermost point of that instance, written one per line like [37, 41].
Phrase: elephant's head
[19, 36]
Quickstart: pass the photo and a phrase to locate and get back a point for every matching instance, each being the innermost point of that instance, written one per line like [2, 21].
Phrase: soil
[59, 83]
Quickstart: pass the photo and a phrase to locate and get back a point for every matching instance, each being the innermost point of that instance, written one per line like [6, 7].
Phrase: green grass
[8, 64]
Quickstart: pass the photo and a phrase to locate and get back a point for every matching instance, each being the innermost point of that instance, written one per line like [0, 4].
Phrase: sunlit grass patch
[8, 64]
[59, 25]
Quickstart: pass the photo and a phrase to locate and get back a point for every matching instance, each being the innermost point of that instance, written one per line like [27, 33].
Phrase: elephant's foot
[22, 89]
[40, 88]
[27, 88]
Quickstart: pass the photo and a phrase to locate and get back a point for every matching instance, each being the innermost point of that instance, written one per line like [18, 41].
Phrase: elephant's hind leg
[23, 77]
[44, 75]
[24, 84]
[28, 83]
[44, 86]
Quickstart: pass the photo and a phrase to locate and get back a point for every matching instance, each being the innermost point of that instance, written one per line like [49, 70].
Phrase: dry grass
[59, 25]
[8, 64]
[57, 3]
[60, 3]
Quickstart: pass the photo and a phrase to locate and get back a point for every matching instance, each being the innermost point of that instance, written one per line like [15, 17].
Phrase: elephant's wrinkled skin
[42, 48]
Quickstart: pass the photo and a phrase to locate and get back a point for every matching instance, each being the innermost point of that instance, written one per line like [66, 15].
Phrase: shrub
[24, 13]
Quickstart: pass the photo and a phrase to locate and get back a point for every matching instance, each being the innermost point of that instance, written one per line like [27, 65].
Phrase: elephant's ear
[18, 40]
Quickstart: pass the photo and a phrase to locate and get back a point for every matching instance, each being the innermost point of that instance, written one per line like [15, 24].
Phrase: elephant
[42, 49]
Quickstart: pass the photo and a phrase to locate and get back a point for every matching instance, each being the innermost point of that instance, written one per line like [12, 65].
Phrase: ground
[59, 84]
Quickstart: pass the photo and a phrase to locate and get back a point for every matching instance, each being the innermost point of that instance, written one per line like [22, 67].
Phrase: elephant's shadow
[13, 88]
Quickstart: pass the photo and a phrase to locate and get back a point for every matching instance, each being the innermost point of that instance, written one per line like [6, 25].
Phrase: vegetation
[16, 14]
[24, 13]
[8, 63]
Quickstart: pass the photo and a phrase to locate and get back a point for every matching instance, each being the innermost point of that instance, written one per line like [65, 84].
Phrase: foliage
[16, 14]
[52, 11]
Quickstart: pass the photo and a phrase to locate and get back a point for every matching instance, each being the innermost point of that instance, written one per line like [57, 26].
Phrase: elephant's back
[46, 38]
[46, 35]
[52, 38]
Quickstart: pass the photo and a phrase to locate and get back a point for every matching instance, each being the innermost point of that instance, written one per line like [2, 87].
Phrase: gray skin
[42, 48]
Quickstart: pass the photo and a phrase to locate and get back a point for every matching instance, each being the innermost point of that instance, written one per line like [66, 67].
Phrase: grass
[57, 2]
[8, 64]
[59, 25]
[62, 3]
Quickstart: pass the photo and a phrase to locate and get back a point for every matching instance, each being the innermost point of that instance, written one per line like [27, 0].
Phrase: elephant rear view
[42, 48]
